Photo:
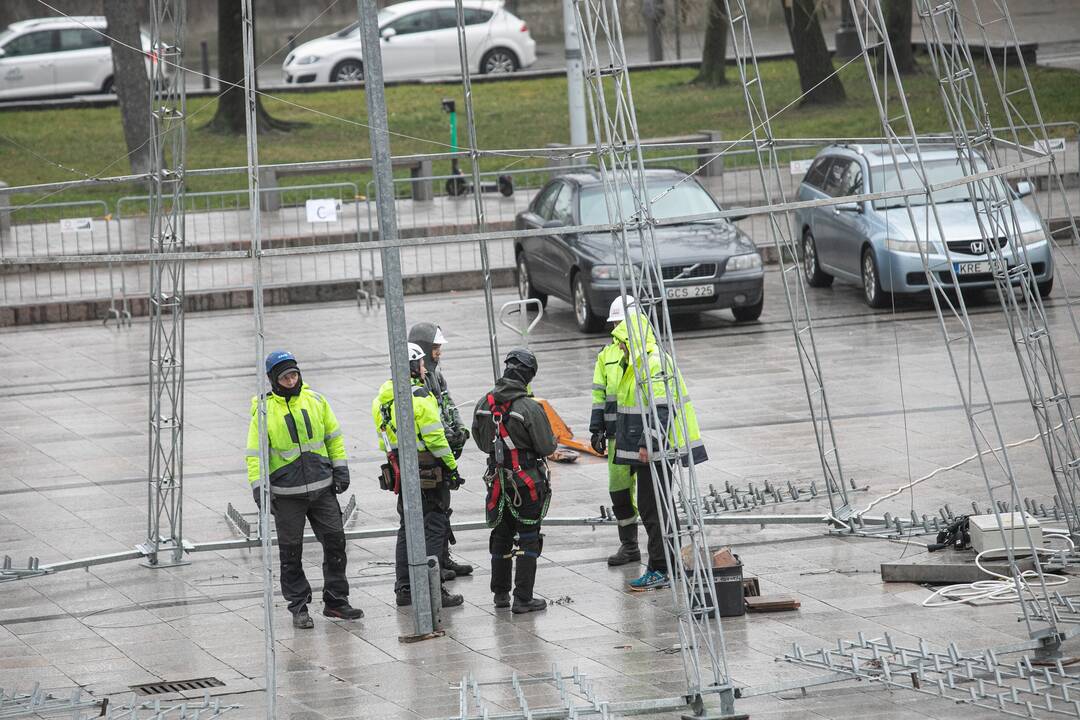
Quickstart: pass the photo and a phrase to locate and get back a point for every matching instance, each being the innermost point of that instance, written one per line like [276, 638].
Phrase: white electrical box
[985, 534]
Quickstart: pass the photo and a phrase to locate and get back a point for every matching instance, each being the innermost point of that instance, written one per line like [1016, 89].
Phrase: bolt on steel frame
[965, 359]
[168, 147]
[622, 170]
[787, 251]
[999, 225]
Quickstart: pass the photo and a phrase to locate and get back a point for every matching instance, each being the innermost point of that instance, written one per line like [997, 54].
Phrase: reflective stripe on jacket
[305, 443]
[606, 375]
[630, 434]
[430, 435]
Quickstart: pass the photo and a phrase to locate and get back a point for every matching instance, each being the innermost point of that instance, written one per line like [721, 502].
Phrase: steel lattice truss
[167, 161]
[1018, 689]
[945, 292]
[787, 251]
[618, 149]
[1040, 367]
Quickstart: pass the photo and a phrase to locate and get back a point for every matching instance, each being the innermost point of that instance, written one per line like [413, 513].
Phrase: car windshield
[885, 177]
[686, 199]
[385, 16]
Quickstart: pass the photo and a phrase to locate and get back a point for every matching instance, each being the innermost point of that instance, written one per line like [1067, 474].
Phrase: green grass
[516, 114]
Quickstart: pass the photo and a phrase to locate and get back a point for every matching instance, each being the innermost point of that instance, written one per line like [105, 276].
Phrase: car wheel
[749, 313]
[1045, 288]
[587, 322]
[811, 269]
[498, 61]
[347, 71]
[873, 294]
[107, 87]
[524, 282]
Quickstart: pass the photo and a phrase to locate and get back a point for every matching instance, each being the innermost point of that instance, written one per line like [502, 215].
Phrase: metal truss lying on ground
[1022, 688]
[14, 704]
[241, 522]
[574, 694]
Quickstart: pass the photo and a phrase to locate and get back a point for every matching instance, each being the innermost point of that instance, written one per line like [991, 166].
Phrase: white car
[57, 56]
[419, 38]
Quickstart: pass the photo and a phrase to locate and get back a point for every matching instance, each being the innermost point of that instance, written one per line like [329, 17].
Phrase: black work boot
[343, 612]
[528, 606]
[451, 600]
[403, 596]
[302, 620]
[502, 600]
[447, 574]
[460, 569]
[628, 551]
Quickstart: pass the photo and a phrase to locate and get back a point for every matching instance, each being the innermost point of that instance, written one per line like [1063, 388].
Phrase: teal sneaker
[651, 580]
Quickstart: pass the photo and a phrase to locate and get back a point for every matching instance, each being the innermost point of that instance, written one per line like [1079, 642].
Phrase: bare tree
[129, 80]
[898, 25]
[230, 115]
[714, 53]
[812, 56]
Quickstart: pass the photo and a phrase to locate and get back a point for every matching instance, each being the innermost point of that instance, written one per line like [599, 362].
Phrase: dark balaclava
[423, 334]
[280, 369]
[521, 366]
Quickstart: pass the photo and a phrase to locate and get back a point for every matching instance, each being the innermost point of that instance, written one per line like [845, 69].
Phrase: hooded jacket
[429, 429]
[607, 372]
[659, 369]
[305, 443]
[423, 334]
[525, 422]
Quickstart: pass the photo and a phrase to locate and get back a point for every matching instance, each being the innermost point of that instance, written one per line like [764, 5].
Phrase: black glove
[341, 479]
[454, 479]
[599, 442]
[256, 495]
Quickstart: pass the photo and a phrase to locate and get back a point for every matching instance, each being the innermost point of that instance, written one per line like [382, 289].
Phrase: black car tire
[347, 71]
[584, 318]
[499, 61]
[811, 269]
[1045, 288]
[874, 296]
[526, 290]
[749, 313]
[107, 86]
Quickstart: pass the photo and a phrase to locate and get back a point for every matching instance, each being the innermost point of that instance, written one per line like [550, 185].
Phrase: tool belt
[431, 472]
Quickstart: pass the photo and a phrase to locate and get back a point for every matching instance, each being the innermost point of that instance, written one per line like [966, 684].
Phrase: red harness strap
[497, 413]
[392, 456]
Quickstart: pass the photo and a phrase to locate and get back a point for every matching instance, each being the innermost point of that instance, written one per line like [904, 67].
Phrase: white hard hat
[415, 352]
[440, 339]
[617, 313]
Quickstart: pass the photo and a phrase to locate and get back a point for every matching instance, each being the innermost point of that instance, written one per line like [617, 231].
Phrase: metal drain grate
[160, 688]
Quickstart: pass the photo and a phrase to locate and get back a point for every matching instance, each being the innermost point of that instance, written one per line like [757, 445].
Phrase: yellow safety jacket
[430, 435]
[630, 434]
[606, 375]
[305, 443]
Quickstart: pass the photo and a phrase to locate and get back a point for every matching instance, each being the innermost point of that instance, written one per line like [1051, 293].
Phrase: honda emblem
[978, 248]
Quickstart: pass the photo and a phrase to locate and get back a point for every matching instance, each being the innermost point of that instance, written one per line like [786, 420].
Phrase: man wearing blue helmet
[308, 469]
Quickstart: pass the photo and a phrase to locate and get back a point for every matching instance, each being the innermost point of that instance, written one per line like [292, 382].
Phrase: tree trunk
[130, 83]
[812, 57]
[714, 53]
[898, 25]
[230, 116]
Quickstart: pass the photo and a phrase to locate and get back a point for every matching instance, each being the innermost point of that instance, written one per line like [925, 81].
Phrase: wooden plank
[772, 603]
[751, 588]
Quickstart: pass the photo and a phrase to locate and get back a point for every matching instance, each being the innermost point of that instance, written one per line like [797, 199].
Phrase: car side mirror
[736, 218]
[1024, 188]
[388, 33]
[552, 224]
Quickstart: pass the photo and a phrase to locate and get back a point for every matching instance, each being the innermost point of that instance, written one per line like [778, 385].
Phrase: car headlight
[1032, 238]
[605, 272]
[738, 263]
[904, 245]
[308, 60]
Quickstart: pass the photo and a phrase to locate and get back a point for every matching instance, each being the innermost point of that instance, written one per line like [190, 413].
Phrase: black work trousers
[648, 477]
[436, 504]
[529, 541]
[324, 514]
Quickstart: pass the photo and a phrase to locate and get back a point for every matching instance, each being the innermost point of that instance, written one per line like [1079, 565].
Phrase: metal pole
[252, 122]
[575, 78]
[204, 56]
[394, 297]
[478, 196]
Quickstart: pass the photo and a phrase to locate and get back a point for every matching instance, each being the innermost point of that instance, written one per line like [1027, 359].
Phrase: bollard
[5, 214]
[204, 55]
[710, 162]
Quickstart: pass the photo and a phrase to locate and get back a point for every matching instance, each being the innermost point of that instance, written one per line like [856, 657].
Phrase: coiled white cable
[1002, 588]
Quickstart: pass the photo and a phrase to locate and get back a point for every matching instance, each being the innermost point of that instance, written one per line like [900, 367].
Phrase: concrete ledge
[81, 310]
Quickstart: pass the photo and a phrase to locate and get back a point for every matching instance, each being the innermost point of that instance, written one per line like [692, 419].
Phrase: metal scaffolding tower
[1040, 367]
[164, 531]
[787, 252]
[629, 208]
[948, 301]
